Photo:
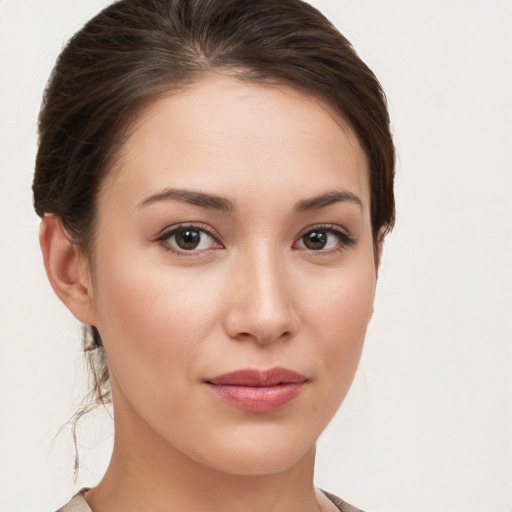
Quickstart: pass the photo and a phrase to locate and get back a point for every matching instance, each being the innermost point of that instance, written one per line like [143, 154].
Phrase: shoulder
[342, 505]
[77, 504]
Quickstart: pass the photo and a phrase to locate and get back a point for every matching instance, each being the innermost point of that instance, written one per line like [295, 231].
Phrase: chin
[258, 462]
[259, 454]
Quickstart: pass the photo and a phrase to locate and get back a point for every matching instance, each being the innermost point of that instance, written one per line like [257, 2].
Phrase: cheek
[338, 321]
[152, 320]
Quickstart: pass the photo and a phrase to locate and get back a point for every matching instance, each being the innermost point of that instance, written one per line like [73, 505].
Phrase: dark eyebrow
[323, 200]
[189, 196]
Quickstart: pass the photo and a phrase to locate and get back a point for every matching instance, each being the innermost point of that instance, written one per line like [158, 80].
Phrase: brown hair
[135, 50]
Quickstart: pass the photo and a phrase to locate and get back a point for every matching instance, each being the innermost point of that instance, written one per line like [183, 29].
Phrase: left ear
[381, 237]
[379, 247]
[67, 269]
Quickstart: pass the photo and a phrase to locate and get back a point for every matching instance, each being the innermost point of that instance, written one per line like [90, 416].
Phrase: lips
[258, 390]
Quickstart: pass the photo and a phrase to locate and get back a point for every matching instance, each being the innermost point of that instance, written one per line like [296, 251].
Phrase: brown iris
[315, 239]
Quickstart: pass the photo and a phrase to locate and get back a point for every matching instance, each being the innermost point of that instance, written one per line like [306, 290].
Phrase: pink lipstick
[258, 390]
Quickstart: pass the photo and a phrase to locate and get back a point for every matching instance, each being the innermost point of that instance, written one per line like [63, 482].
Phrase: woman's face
[234, 274]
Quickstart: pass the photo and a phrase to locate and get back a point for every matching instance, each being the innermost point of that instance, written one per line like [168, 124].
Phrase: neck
[148, 473]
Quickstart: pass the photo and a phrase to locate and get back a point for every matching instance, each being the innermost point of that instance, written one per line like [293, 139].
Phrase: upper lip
[258, 378]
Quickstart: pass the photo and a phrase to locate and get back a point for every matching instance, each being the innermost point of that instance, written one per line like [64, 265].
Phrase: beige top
[78, 504]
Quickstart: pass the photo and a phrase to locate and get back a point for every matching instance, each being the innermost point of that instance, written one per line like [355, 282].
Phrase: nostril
[263, 338]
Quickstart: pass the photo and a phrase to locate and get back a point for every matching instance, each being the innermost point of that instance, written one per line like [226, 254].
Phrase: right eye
[184, 239]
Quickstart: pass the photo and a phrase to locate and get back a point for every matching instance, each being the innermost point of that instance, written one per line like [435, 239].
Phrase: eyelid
[346, 238]
[169, 231]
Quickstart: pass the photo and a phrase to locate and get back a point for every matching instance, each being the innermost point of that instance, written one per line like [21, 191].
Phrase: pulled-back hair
[136, 50]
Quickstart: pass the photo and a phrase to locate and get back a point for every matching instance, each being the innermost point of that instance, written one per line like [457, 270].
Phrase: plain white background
[427, 426]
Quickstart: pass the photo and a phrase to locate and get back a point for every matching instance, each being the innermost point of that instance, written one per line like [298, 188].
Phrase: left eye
[321, 239]
[188, 238]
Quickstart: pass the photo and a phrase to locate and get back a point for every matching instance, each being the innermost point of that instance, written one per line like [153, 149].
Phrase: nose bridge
[262, 305]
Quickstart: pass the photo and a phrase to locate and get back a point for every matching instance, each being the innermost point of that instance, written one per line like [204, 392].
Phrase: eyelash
[163, 239]
[345, 240]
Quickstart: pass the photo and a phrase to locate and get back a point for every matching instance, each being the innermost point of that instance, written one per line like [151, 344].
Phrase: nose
[261, 305]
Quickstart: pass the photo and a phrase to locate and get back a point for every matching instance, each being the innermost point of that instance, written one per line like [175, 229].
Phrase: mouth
[259, 391]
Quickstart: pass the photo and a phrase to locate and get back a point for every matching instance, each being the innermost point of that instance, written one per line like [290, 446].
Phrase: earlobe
[66, 269]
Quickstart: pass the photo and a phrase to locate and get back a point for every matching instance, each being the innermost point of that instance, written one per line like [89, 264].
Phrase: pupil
[188, 239]
[315, 240]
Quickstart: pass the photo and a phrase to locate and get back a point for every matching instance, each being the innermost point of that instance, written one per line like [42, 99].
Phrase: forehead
[221, 133]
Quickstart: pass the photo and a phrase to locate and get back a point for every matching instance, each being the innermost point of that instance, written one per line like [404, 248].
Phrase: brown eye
[188, 239]
[324, 239]
[315, 240]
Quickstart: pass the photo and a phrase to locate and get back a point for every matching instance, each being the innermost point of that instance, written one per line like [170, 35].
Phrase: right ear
[67, 269]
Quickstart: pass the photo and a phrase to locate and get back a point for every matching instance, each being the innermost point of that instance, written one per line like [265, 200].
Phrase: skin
[251, 295]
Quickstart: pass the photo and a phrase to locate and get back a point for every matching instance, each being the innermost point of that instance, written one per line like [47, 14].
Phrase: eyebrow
[327, 199]
[192, 197]
[214, 202]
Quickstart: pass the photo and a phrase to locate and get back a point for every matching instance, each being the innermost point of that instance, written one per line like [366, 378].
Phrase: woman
[215, 181]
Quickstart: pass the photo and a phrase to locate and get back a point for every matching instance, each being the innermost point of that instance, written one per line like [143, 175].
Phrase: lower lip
[257, 399]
